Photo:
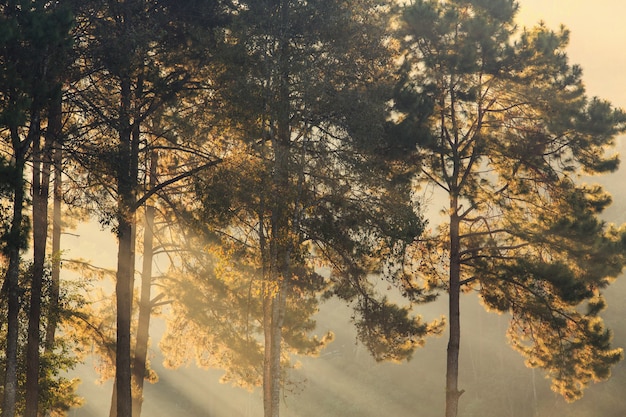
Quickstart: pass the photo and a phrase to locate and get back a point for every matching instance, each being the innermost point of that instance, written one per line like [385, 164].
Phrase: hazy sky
[597, 41]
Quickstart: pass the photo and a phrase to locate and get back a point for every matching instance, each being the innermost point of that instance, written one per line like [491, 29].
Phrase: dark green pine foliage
[57, 392]
[324, 65]
[504, 131]
[51, 24]
[137, 62]
[31, 32]
[310, 179]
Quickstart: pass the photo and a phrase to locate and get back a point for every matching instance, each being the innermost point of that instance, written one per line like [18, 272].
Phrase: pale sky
[597, 40]
[598, 45]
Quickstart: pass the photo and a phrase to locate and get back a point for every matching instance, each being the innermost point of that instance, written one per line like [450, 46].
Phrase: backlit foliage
[504, 130]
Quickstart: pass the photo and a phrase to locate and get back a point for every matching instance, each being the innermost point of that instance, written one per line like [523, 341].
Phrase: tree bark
[11, 285]
[145, 304]
[273, 318]
[125, 270]
[123, 291]
[12, 290]
[278, 318]
[452, 361]
[267, 358]
[41, 185]
[55, 129]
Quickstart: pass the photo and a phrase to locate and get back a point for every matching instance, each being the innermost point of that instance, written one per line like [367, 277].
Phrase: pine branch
[173, 180]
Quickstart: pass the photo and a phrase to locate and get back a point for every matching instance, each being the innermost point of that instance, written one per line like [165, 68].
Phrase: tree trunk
[12, 289]
[55, 129]
[267, 358]
[278, 318]
[274, 295]
[280, 244]
[145, 304]
[273, 318]
[124, 277]
[41, 180]
[113, 406]
[11, 284]
[123, 291]
[452, 362]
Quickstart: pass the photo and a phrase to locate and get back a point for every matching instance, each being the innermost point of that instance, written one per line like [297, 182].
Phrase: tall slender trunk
[278, 319]
[279, 274]
[277, 266]
[280, 243]
[267, 356]
[266, 293]
[113, 406]
[41, 185]
[452, 363]
[55, 129]
[12, 288]
[124, 278]
[274, 303]
[124, 294]
[11, 284]
[145, 303]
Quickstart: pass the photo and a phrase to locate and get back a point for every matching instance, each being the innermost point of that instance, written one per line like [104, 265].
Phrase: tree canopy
[504, 129]
[277, 152]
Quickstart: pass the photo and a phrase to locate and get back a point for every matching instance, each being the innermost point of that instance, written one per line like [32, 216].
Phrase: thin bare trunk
[11, 288]
[124, 277]
[267, 358]
[11, 284]
[452, 363]
[279, 244]
[278, 316]
[113, 407]
[273, 318]
[55, 129]
[41, 179]
[145, 304]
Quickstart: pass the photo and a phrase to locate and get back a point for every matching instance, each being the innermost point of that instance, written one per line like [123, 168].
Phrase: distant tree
[55, 131]
[505, 130]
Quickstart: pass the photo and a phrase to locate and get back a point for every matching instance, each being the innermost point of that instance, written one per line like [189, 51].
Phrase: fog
[345, 381]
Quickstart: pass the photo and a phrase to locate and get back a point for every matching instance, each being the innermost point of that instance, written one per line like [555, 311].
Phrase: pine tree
[303, 88]
[504, 130]
[33, 34]
[134, 69]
